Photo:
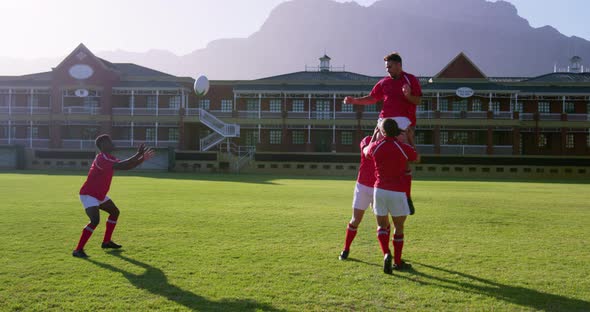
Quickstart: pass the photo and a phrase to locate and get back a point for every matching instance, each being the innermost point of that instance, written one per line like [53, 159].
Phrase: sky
[41, 28]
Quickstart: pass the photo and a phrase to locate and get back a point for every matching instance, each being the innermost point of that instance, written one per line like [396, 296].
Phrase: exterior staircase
[221, 130]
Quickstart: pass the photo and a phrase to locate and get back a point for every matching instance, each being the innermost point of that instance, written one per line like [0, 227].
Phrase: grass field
[270, 243]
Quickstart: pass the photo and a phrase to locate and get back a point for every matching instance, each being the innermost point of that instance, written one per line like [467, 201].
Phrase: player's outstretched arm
[142, 155]
[365, 100]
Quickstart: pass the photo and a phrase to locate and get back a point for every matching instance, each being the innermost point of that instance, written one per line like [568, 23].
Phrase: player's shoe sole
[387, 269]
[110, 245]
[343, 255]
[79, 254]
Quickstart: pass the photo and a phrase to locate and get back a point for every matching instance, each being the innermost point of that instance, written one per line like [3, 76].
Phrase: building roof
[304, 88]
[561, 78]
[321, 76]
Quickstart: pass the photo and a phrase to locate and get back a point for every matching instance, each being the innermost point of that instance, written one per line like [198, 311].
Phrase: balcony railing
[502, 149]
[425, 149]
[41, 110]
[78, 144]
[425, 114]
[450, 115]
[578, 117]
[463, 149]
[298, 115]
[527, 116]
[81, 110]
[345, 115]
[136, 143]
[477, 115]
[502, 115]
[546, 116]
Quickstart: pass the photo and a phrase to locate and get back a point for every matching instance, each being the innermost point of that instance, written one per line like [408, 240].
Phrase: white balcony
[463, 149]
[450, 115]
[81, 110]
[425, 114]
[476, 115]
[502, 115]
[78, 144]
[297, 115]
[502, 149]
[547, 116]
[345, 115]
[578, 117]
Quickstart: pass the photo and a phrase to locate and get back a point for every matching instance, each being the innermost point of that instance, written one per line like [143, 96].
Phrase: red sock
[350, 235]
[398, 245]
[111, 223]
[383, 237]
[86, 233]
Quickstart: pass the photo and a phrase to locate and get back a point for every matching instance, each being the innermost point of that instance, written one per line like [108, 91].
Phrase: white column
[334, 106]
[437, 101]
[156, 134]
[9, 102]
[490, 103]
[132, 134]
[9, 130]
[333, 134]
[259, 130]
[308, 134]
[132, 102]
[31, 101]
[235, 101]
[31, 133]
[515, 100]
[157, 101]
[259, 104]
[309, 106]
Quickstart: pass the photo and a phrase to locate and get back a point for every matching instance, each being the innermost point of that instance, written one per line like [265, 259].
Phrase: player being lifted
[400, 93]
[93, 193]
[389, 198]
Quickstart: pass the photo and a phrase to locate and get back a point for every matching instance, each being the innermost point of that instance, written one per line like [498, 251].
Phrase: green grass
[247, 243]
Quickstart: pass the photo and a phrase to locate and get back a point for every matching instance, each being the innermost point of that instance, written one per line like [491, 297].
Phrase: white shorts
[390, 202]
[402, 122]
[363, 197]
[89, 201]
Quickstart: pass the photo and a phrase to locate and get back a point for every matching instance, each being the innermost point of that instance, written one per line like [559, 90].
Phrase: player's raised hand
[141, 149]
[348, 100]
[407, 90]
[149, 153]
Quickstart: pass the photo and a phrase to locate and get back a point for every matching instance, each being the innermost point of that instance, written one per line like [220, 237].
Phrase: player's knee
[355, 222]
[115, 212]
[95, 221]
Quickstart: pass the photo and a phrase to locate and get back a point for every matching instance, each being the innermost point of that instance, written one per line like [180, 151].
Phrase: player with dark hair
[93, 193]
[391, 157]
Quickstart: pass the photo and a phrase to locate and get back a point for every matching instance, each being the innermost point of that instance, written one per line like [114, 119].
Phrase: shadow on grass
[155, 281]
[525, 297]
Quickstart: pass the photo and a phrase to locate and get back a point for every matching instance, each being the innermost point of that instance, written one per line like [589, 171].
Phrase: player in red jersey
[401, 93]
[363, 197]
[93, 193]
[391, 157]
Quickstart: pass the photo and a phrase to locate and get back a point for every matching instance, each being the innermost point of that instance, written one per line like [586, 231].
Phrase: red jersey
[391, 158]
[366, 175]
[395, 103]
[99, 176]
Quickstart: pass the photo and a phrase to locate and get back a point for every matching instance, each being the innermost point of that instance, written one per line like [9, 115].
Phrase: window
[420, 138]
[172, 134]
[35, 100]
[495, 106]
[3, 99]
[298, 136]
[460, 105]
[459, 137]
[443, 105]
[174, 102]
[346, 138]
[544, 107]
[371, 108]
[90, 102]
[151, 102]
[276, 136]
[298, 105]
[252, 105]
[347, 108]
[252, 137]
[476, 105]
[518, 107]
[444, 137]
[542, 141]
[322, 108]
[226, 105]
[32, 132]
[425, 105]
[205, 104]
[569, 108]
[569, 141]
[150, 134]
[275, 105]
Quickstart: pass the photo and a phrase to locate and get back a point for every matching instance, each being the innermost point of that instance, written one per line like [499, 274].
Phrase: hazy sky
[44, 28]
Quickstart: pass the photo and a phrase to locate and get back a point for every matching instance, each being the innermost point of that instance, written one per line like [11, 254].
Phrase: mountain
[427, 33]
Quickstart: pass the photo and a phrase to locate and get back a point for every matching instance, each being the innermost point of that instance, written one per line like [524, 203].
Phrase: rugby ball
[201, 85]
